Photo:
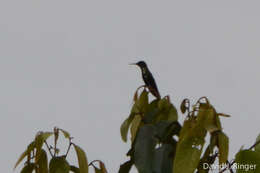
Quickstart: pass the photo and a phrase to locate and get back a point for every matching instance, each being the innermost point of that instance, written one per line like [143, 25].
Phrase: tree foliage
[36, 157]
[160, 144]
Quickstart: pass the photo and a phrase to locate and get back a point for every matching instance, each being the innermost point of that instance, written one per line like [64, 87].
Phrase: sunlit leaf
[207, 118]
[141, 103]
[139, 107]
[82, 159]
[209, 156]
[187, 125]
[189, 147]
[125, 127]
[248, 160]
[39, 140]
[134, 126]
[223, 145]
[167, 111]
[30, 147]
[59, 165]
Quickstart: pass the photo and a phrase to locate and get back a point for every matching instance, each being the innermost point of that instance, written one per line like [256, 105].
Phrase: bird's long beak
[132, 64]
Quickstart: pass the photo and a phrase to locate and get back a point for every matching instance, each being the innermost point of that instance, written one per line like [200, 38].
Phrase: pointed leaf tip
[82, 159]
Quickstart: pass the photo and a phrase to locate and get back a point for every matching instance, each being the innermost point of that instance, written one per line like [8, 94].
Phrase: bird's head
[141, 64]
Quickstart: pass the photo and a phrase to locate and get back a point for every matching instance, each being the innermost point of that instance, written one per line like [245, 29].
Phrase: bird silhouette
[148, 79]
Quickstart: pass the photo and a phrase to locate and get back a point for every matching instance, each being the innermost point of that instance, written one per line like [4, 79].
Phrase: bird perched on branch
[148, 79]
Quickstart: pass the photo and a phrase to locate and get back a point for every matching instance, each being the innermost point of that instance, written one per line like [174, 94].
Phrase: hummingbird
[148, 79]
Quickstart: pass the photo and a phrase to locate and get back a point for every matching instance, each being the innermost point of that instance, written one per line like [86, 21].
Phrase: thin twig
[254, 145]
[68, 149]
[48, 148]
[91, 163]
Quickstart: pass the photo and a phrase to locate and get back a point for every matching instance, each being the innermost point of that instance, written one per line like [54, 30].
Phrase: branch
[48, 148]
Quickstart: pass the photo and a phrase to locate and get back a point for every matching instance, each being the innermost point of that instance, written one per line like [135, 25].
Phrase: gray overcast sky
[65, 63]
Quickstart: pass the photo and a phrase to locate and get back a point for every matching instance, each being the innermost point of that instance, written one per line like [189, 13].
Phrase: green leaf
[43, 162]
[28, 168]
[126, 167]
[65, 133]
[74, 169]
[207, 117]
[82, 159]
[138, 108]
[187, 155]
[190, 145]
[125, 126]
[223, 145]
[152, 112]
[135, 126]
[141, 104]
[39, 140]
[209, 156]
[27, 152]
[248, 161]
[257, 147]
[167, 111]
[163, 159]
[187, 125]
[165, 130]
[144, 149]
[59, 165]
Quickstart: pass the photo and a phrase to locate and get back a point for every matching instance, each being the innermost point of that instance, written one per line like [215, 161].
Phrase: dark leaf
[144, 148]
[126, 167]
[183, 106]
[59, 165]
[43, 162]
[28, 168]
[163, 159]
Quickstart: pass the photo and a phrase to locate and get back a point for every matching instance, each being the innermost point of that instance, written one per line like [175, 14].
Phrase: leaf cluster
[36, 157]
[159, 144]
